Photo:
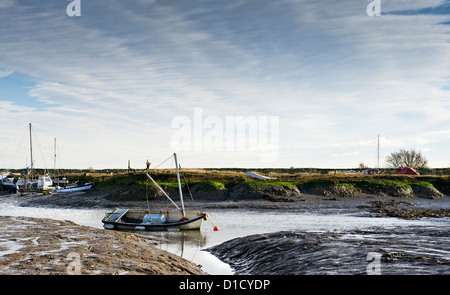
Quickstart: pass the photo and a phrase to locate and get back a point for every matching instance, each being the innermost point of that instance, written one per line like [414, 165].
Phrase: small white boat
[153, 220]
[82, 187]
[44, 182]
[156, 220]
[257, 176]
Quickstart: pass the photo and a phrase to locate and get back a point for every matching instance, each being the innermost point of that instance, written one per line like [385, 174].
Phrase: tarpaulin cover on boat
[116, 215]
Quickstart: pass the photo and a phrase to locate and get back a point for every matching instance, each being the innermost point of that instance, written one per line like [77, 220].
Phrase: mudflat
[395, 251]
[35, 246]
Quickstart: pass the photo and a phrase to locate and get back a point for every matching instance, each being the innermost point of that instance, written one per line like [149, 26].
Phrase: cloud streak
[111, 81]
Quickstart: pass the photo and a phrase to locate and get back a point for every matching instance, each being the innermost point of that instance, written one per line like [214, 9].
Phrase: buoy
[206, 217]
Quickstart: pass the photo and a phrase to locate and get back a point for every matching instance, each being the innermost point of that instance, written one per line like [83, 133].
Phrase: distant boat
[257, 176]
[82, 187]
[30, 183]
[3, 176]
[156, 220]
[9, 184]
[45, 184]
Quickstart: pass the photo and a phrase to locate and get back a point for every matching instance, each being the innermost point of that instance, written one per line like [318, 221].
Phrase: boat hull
[133, 220]
[83, 187]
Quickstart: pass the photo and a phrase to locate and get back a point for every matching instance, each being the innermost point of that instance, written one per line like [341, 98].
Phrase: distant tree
[363, 166]
[404, 158]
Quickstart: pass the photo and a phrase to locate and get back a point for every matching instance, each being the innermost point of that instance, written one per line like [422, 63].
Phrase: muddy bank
[406, 209]
[397, 251]
[235, 190]
[220, 186]
[364, 204]
[32, 246]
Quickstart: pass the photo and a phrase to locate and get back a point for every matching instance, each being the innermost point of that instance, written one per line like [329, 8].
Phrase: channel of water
[232, 223]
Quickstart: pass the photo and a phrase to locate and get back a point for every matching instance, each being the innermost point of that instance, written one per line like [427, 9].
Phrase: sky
[236, 83]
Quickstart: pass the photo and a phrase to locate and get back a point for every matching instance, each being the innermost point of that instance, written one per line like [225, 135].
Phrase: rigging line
[61, 168]
[18, 147]
[40, 150]
[163, 162]
[165, 194]
[192, 198]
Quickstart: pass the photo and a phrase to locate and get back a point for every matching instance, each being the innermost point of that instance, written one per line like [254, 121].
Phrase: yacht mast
[54, 158]
[179, 184]
[378, 154]
[31, 150]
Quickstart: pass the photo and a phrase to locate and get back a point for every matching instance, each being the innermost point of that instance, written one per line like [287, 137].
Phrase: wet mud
[397, 251]
[406, 209]
[34, 246]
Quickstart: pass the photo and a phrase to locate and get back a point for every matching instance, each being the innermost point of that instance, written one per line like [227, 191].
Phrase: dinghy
[156, 220]
[82, 187]
[153, 220]
[258, 176]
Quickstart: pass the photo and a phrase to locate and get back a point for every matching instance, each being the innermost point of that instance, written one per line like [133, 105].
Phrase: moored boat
[153, 220]
[156, 220]
[82, 187]
[3, 176]
[258, 176]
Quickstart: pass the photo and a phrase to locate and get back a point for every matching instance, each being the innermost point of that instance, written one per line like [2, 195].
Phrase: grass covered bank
[217, 185]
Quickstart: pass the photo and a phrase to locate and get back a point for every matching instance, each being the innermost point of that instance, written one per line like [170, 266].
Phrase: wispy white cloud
[336, 78]
[5, 72]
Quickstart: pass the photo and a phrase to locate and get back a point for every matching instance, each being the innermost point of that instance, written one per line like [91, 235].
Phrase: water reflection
[190, 245]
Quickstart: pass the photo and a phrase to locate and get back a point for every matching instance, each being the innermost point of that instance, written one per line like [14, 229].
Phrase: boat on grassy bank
[156, 220]
[258, 176]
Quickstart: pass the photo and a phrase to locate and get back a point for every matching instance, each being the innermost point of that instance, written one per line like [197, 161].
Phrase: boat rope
[40, 150]
[165, 194]
[215, 228]
[192, 198]
[163, 162]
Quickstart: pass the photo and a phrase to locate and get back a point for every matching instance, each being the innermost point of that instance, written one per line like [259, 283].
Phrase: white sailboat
[156, 220]
[44, 183]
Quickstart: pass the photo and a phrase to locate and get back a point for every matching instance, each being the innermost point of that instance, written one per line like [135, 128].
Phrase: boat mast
[179, 184]
[378, 154]
[31, 149]
[54, 158]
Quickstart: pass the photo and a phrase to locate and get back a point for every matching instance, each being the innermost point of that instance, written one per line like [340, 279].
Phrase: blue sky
[109, 83]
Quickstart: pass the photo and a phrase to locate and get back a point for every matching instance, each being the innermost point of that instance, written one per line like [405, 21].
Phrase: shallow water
[232, 223]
